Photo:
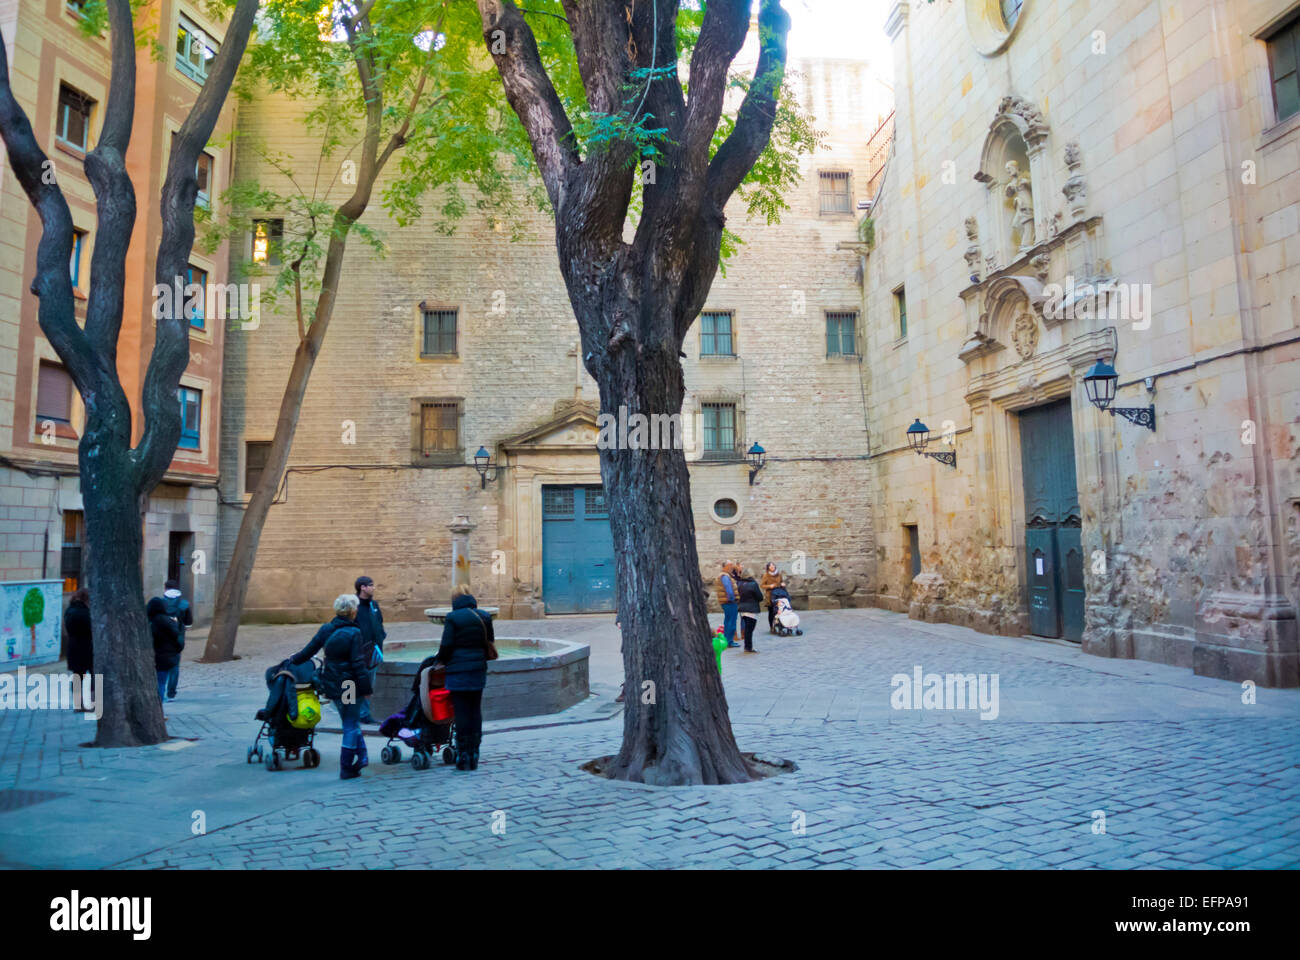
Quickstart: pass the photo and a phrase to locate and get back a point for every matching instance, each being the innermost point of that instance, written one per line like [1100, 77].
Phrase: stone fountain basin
[534, 676]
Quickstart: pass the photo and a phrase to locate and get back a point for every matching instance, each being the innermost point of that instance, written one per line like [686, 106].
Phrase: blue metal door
[1053, 543]
[577, 550]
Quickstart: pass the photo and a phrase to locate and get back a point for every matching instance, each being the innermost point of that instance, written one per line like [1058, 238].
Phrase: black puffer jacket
[166, 636]
[81, 652]
[345, 659]
[750, 595]
[465, 635]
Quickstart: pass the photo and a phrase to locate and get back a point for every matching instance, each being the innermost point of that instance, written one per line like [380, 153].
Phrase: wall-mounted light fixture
[484, 465]
[1100, 381]
[757, 459]
[918, 435]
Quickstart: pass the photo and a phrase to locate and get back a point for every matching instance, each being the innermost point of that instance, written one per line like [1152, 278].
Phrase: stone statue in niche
[1018, 190]
[973, 255]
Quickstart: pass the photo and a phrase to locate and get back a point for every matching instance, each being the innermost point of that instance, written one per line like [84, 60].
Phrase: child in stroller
[787, 621]
[427, 725]
[290, 716]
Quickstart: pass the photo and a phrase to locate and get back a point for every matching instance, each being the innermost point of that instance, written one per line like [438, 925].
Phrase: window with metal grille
[715, 335]
[841, 334]
[268, 238]
[725, 508]
[256, 453]
[900, 311]
[72, 124]
[1284, 69]
[197, 275]
[557, 503]
[195, 50]
[439, 428]
[836, 195]
[439, 333]
[53, 395]
[594, 502]
[191, 402]
[719, 422]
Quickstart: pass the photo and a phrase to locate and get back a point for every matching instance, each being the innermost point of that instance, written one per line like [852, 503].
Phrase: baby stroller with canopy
[425, 733]
[290, 716]
[786, 620]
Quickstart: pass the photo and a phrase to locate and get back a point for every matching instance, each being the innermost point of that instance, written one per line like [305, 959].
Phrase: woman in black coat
[749, 600]
[466, 639]
[345, 678]
[81, 651]
[166, 643]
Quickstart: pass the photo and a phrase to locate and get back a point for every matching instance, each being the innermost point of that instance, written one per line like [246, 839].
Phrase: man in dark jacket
[466, 637]
[178, 608]
[166, 644]
[751, 598]
[81, 651]
[371, 624]
[345, 678]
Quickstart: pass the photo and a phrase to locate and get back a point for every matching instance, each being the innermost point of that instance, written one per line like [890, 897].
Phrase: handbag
[491, 647]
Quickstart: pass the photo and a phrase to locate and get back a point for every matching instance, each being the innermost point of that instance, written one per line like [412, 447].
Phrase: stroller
[412, 727]
[290, 716]
[786, 620]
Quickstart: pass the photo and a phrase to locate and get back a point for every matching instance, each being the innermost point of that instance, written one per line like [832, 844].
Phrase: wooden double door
[1053, 531]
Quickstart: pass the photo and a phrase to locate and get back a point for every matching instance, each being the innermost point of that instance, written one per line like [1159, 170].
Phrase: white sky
[841, 28]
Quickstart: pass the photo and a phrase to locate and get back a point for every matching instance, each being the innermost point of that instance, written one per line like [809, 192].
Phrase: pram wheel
[391, 755]
[254, 754]
[420, 760]
[311, 757]
[272, 760]
[448, 755]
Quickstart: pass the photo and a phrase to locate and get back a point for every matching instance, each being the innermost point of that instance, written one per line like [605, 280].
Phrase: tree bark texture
[635, 303]
[115, 478]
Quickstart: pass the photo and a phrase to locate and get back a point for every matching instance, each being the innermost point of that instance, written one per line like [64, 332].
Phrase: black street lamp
[1099, 383]
[918, 435]
[483, 463]
[757, 460]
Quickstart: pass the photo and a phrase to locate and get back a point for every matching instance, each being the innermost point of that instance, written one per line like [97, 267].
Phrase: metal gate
[1053, 543]
[577, 550]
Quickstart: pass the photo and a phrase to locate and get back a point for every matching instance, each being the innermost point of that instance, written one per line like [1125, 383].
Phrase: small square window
[439, 333]
[836, 195]
[841, 334]
[439, 428]
[1284, 69]
[191, 402]
[72, 124]
[715, 335]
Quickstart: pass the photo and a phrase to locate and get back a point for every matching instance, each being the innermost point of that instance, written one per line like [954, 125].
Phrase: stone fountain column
[460, 527]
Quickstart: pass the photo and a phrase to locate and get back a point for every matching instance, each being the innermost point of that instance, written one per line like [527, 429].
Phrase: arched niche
[1016, 175]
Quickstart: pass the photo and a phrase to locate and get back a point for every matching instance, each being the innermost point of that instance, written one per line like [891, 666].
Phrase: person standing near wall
[345, 678]
[771, 580]
[750, 602]
[81, 651]
[371, 624]
[727, 599]
[178, 608]
[468, 643]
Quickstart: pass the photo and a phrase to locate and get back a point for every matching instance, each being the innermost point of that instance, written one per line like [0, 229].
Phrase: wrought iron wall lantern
[1100, 381]
[757, 460]
[484, 465]
[918, 435]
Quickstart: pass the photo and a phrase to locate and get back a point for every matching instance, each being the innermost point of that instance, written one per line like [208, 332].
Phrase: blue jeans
[729, 621]
[350, 714]
[167, 680]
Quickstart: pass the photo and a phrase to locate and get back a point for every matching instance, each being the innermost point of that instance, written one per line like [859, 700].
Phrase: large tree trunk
[676, 730]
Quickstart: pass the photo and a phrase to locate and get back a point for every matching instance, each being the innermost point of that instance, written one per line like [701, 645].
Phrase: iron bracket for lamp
[1142, 416]
[753, 472]
[948, 457]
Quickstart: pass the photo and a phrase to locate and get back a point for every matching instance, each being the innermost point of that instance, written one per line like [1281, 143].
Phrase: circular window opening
[993, 23]
[725, 508]
[1010, 13]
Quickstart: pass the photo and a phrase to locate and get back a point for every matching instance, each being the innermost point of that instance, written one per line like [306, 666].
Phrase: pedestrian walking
[167, 644]
[727, 598]
[771, 579]
[468, 643]
[178, 608]
[370, 621]
[750, 602]
[81, 651]
[345, 678]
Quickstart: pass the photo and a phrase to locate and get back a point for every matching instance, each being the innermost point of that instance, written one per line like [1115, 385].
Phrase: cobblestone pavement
[1177, 768]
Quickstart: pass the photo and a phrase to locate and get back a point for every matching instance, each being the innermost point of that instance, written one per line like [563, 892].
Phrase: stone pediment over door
[570, 429]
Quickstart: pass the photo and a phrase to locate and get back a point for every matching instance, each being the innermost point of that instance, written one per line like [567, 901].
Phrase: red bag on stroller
[440, 706]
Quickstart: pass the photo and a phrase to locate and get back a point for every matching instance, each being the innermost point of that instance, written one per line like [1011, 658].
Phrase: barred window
[715, 335]
[557, 503]
[439, 333]
[836, 197]
[719, 430]
[841, 334]
[439, 428]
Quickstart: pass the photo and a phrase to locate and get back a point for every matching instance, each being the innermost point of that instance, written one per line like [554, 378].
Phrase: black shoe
[473, 759]
[462, 759]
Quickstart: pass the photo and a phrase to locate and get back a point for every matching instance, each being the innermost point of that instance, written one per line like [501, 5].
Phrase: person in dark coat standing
[371, 624]
[167, 644]
[466, 638]
[751, 600]
[178, 608]
[81, 652]
[345, 678]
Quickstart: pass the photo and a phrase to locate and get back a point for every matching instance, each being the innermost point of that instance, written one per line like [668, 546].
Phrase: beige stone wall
[1171, 113]
[359, 508]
